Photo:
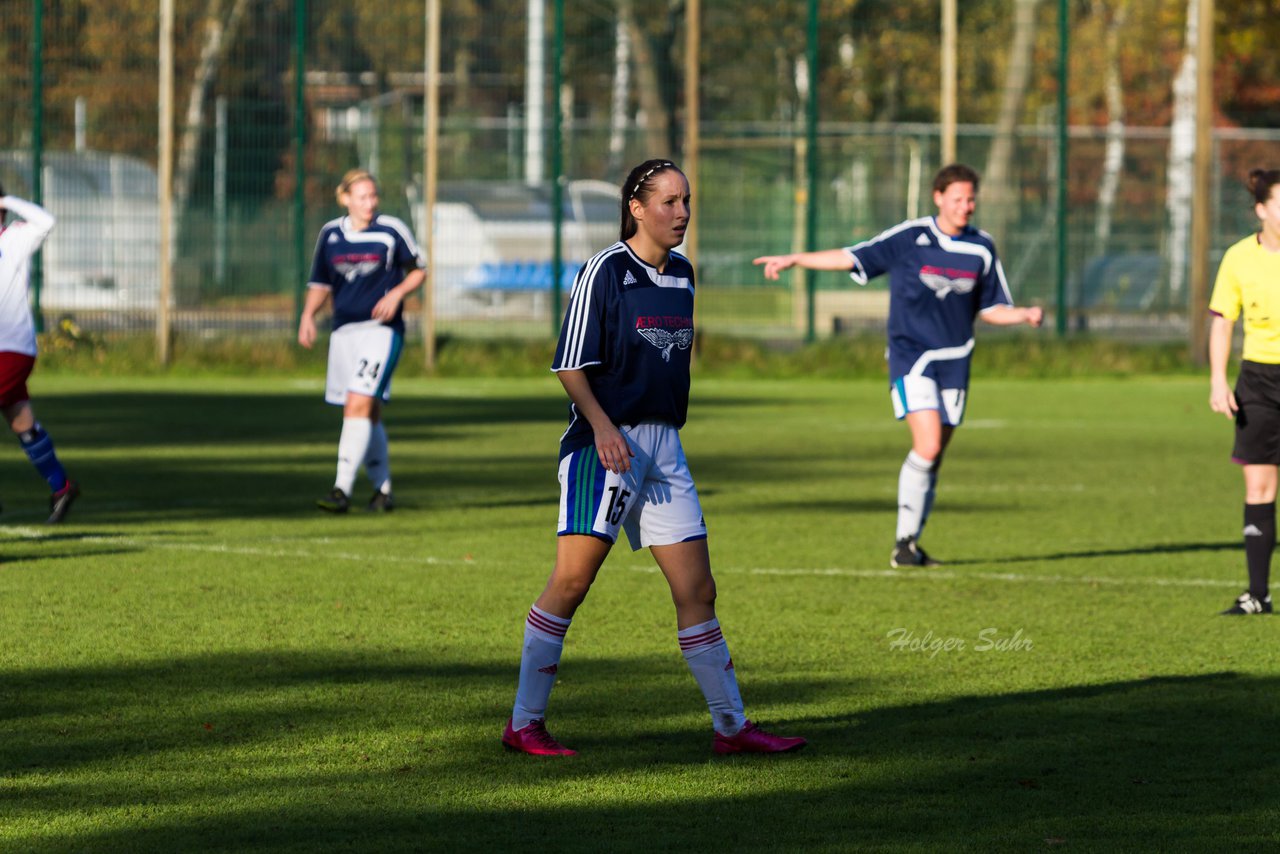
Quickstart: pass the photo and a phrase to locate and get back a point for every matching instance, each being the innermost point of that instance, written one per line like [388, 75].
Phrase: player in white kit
[19, 241]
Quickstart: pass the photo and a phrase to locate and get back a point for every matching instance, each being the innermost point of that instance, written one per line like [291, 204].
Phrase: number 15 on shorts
[593, 500]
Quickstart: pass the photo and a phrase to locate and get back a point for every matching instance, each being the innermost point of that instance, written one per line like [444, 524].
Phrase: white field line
[926, 575]
[217, 548]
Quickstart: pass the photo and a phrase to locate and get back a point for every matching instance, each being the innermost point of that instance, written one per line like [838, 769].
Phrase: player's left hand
[385, 309]
[307, 331]
[1035, 315]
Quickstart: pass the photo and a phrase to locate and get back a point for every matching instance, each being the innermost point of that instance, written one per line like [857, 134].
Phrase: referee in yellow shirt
[1249, 282]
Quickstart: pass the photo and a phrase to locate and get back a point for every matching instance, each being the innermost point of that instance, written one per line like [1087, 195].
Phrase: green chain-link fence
[257, 150]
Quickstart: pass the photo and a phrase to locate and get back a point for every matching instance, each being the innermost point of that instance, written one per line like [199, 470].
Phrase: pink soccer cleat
[535, 740]
[752, 739]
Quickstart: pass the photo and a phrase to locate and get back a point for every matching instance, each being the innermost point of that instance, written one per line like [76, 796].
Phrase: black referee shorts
[1258, 419]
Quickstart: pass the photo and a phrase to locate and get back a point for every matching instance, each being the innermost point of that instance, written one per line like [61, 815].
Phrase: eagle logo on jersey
[354, 265]
[943, 281]
[666, 339]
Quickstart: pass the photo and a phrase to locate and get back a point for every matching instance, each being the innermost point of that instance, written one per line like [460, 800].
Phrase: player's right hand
[307, 332]
[613, 449]
[1221, 399]
[774, 264]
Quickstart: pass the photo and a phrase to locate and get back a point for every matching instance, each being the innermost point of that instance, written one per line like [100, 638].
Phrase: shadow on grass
[292, 751]
[185, 456]
[1164, 548]
[173, 455]
[201, 418]
[31, 543]
[35, 554]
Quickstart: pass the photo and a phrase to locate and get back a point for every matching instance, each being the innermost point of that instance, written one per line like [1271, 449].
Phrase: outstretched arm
[1011, 315]
[824, 259]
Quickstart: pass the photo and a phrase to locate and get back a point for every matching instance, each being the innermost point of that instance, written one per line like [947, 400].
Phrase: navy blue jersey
[937, 286]
[360, 267]
[629, 328]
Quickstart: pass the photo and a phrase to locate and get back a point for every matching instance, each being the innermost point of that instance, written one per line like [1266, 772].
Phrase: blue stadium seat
[519, 276]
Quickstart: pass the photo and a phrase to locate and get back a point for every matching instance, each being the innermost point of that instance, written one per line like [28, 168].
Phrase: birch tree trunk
[997, 181]
[653, 118]
[1182, 150]
[621, 88]
[217, 36]
[1113, 156]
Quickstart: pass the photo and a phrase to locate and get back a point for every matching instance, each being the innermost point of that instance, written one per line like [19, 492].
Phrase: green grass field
[198, 660]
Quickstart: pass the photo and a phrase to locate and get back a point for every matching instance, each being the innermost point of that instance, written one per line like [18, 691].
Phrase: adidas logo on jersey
[333, 237]
[923, 240]
[628, 279]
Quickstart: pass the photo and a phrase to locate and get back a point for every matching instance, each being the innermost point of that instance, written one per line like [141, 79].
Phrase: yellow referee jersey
[1249, 281]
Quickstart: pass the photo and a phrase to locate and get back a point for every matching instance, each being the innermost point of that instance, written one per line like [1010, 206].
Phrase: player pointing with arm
[1248, 283]
[623, 358]
[367, 263]
[943, 273]
[18, 242]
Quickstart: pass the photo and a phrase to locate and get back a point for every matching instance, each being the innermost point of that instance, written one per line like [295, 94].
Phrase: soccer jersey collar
[347, 228]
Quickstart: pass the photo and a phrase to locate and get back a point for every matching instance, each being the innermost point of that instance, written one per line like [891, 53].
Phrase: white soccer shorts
[362, 357]
[655, 502]
[913, 393]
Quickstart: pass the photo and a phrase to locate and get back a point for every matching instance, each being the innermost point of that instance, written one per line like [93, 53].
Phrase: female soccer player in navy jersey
[1248, 283]
[368, 262]
[623, 358]
[943, 273]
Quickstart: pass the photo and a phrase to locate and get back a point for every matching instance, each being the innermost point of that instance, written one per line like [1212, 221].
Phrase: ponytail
[1260, 183]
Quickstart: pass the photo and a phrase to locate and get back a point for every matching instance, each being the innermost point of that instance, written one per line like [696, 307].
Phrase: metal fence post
[692, 111]
[37, 148]
[1063, 119]
[430, 174]
[300, 153]
[811, 203]
[164, 184]
[557, 164]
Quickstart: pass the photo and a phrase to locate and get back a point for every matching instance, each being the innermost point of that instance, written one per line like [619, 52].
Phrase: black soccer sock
[1259, 542]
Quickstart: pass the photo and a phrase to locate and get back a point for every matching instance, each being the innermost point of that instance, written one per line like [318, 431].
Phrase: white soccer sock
[353, 445]
[376, 462]
[708, 657]
[928, 499]
[543, 640]
[914, 482]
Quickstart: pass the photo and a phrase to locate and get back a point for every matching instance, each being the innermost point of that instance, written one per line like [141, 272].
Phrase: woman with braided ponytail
[623, 358]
